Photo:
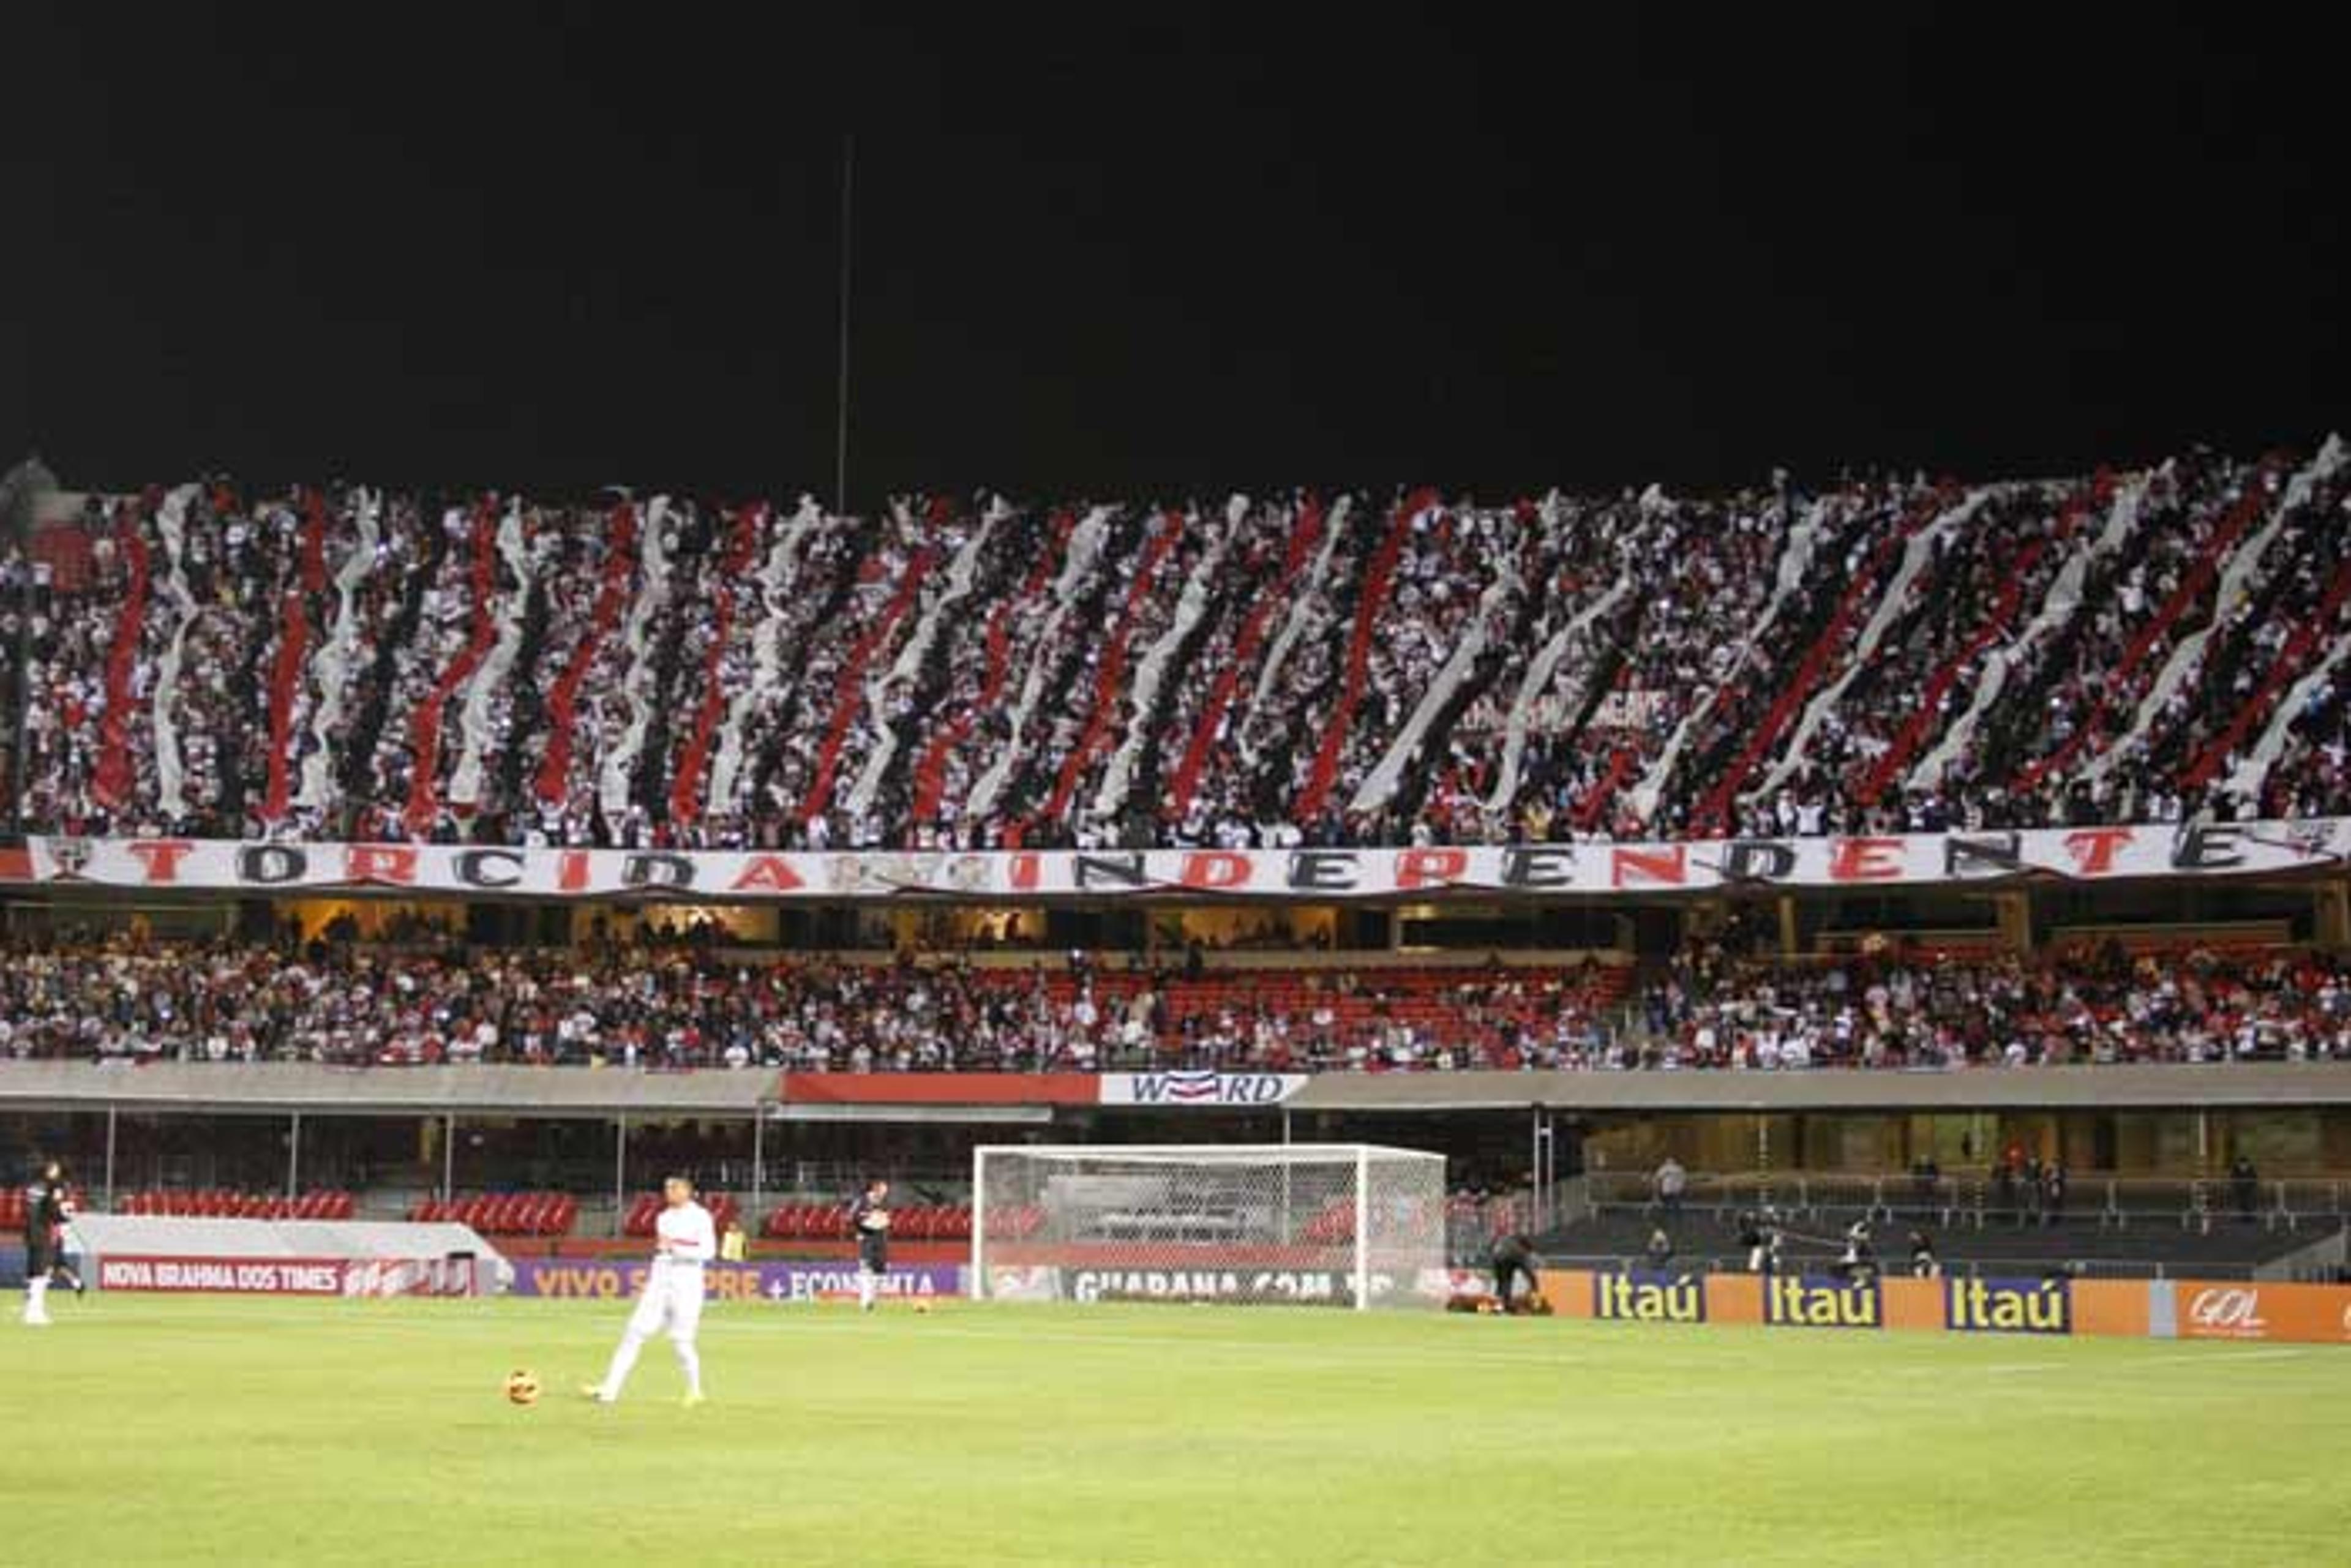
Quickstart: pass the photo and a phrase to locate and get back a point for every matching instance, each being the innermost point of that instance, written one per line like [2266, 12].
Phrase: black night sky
[502, 245]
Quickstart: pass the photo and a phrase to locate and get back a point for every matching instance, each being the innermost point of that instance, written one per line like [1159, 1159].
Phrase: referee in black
[869, 1218]
[48, 1208]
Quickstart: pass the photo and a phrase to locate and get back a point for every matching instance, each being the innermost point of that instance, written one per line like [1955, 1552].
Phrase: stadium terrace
[1271, 673]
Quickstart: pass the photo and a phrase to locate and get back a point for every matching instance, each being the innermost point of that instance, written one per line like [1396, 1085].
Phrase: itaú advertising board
[2069, 854]
[2158, 1309]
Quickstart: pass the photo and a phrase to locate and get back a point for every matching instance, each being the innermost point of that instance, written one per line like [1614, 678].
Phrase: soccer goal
[1350, 1225]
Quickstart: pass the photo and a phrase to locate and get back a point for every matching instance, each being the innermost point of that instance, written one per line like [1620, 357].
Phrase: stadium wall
[182, 1088]
[2130, 1309]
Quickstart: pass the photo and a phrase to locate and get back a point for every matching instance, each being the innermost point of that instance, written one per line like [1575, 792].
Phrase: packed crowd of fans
[685, 1005]
[1882, 655]
[1891, 1009]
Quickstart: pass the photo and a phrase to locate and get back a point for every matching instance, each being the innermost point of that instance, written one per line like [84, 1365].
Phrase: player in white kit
[684, 1240]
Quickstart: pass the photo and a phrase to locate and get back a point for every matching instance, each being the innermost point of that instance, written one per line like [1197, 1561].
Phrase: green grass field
[181, 1430]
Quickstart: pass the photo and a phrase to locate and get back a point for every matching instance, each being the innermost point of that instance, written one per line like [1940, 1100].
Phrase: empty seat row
[645, 1210]
[226, 1205]
[505, 1213]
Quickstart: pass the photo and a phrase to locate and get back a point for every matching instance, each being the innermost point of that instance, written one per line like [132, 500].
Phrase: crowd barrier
[2138, 1309]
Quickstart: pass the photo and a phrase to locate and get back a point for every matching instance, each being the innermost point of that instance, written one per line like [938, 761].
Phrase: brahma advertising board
[286, 1276]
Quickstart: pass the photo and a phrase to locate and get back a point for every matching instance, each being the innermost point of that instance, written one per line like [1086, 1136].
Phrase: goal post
[1350, 1225]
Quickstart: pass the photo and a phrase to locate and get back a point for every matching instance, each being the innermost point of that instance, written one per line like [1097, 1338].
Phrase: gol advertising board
[2257, 1310]
[604, 1280]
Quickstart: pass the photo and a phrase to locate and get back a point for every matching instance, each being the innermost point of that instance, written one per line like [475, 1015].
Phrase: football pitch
[181, 1430]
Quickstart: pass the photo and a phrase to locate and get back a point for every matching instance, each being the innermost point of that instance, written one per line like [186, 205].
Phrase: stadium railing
[1977, 1196]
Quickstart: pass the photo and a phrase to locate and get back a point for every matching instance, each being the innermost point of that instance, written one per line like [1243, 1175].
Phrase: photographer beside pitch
[684, 1239]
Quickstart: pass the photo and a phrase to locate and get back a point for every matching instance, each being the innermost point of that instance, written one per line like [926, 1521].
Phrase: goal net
[1350, 1225]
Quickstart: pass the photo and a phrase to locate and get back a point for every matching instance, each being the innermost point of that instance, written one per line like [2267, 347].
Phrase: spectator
[1671, 1180]
[2245, 1184]
[1926, 1184]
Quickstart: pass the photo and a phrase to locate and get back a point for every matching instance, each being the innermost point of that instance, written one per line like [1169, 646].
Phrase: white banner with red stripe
[2093, 854]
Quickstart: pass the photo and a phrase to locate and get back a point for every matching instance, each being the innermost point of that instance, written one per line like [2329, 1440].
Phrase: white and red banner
[1203, 1088]
[286, 1276]
[2062, 854]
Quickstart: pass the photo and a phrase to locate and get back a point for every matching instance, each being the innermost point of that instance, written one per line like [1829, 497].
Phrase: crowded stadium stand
[683, 1008]
[352, 663]
[1822, 830]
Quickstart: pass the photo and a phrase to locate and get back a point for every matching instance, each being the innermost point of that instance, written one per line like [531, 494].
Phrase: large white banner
[2062, 854]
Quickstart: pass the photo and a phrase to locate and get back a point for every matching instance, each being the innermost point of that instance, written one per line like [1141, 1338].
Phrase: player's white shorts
[672, 1301]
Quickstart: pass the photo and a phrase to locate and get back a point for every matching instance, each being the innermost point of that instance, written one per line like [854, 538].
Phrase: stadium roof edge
[278, 1088]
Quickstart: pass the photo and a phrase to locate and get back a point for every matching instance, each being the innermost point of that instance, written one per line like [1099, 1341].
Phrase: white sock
[623, 1359]
[36, 1306]
[689, 1361]
[865, 1289]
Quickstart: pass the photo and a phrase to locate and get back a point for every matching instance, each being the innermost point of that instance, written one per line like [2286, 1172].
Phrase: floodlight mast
[841, 385]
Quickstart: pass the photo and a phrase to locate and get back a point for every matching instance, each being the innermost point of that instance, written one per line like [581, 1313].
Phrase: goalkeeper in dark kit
[1514, 1259]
